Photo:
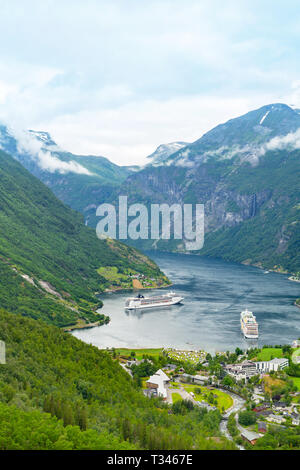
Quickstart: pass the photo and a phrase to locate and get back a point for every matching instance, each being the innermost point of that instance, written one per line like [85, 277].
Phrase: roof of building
[246, 362]
[264, 413]
[162, 374]
[249, 435]
[261, 407]
[201, 377]
[280, 404]
[278, 360]
[262, 425]
[159, 379]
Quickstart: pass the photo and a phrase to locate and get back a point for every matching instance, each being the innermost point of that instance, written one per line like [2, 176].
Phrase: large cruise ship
[156, 301]
[249, 325]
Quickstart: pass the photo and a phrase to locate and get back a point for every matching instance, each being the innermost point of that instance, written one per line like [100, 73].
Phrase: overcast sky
[118, 78]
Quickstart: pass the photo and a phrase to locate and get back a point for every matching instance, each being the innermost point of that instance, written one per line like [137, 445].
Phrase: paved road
[125, 368]
[182, 392]
[238, 404]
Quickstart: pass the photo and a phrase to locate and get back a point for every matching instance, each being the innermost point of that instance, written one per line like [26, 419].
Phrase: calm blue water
[214, 294]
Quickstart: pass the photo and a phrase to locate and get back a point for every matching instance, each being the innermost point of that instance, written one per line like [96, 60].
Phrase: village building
[242, 370]
[170, 367]
[247, 369]
[158, 382]
[279, 405]
[295, 419]
[258, 389]
[186, 378]
[201, 379]
[250, 436]
[264, 413]
[276, 419]
[195, 379]
[261, 407]
[262, 427]
[272, 365]
[2, 352]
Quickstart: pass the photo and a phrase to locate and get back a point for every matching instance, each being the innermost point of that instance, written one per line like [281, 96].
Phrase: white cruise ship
[156, 301]
[249, 325]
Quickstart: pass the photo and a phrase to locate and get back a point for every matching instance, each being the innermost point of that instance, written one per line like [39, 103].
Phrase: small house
[200, 379]
[170, 367]
[250, 436]
[159, 382]
[261, 407]
[295, 419]
[186, 378]
[262, 427]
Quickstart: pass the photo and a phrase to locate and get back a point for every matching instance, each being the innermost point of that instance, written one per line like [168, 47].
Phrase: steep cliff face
[246, 173]
[223, 206]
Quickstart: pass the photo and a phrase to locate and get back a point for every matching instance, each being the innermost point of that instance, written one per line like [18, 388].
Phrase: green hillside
[245, 171]
[49, 372]
[58, 257]
[33, 430]
[248, 183]
[272, 236]
[81, 191]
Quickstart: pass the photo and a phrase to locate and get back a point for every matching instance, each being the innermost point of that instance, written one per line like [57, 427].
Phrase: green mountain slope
[246, 172]
[80, 181]
[47, 253]
[271, 237]
[53, 372]
[33, 430]
[241, 136]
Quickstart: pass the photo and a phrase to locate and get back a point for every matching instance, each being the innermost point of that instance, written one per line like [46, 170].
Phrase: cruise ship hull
[167, 303]
[250, 336]
[249, 325]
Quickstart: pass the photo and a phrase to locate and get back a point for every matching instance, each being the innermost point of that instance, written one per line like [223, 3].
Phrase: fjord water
[214, 292]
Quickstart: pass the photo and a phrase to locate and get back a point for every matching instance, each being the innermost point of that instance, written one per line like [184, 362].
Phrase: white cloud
[119, 78]
[291, 140]
[27, 143]
[127, 134]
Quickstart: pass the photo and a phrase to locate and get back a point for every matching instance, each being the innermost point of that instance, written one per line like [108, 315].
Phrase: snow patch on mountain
[184, 160]
[32, 144]
[163, 151]
[263, 118]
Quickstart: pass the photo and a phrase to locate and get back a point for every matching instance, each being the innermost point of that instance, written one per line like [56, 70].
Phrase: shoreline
[129, 289]
[258, 264]
[69, 329]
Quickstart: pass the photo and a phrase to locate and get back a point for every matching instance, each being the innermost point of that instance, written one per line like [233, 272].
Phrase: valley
[245, 171]
[67, 337]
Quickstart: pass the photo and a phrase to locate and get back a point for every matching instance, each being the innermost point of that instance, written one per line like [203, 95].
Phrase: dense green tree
[247, 417]
[85, 390]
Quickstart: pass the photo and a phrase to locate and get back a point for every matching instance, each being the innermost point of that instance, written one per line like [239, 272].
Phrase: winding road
[238, 404]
